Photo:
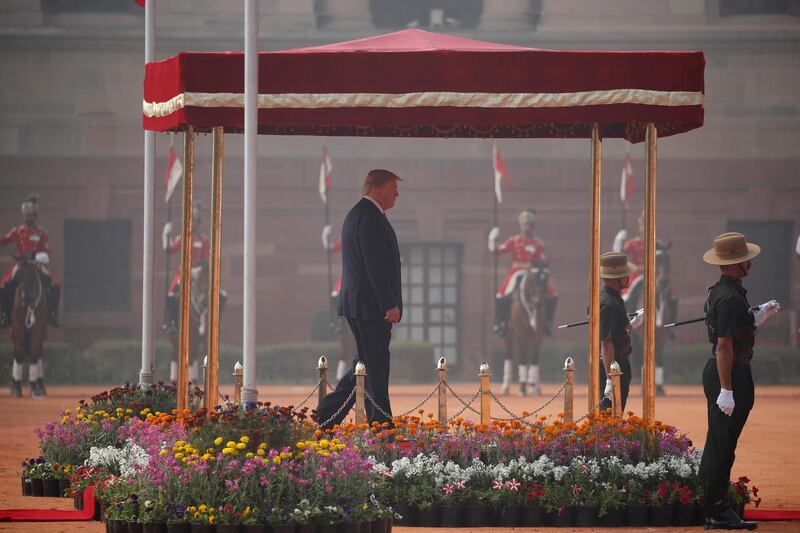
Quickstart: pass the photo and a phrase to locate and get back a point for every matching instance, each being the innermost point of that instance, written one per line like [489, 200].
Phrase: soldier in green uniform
[727, 378]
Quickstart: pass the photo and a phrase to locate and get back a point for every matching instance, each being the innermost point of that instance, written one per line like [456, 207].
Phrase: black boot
[550, 305]
[173, 315]
[502, 308]
[16, 389]
[6, 303]
[40, 387]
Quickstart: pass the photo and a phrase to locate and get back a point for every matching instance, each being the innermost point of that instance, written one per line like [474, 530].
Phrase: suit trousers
[372, 345]
[719, 451]
[624, 383]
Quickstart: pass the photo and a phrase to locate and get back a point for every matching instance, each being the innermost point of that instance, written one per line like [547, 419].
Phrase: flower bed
[234, 468]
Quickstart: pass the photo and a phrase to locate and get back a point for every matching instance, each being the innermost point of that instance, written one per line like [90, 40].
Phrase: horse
[666, 312]
[29, 325]
[526, 327]
[198, 324]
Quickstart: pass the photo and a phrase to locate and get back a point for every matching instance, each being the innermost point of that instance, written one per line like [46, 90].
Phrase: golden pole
[569, 390]
[322, 366]
[441, 366]
[485, 374]
[218, 145]
[594, 272]
[238, 376]
[615, 374]
[649, 366]
[361, 375]
[186, 271]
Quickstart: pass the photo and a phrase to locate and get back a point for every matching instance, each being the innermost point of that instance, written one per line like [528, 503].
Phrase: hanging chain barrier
[310, 394]
[592, 410]
[376, 406]
[523, 419]
[340, 410]
[467, 405]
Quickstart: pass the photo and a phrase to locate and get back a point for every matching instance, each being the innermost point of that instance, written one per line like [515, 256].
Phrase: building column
[347, 14]
[507, 15]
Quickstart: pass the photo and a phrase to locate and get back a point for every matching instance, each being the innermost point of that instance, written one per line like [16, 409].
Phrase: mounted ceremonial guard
[198, 322]
[29, 297]
[528, 252]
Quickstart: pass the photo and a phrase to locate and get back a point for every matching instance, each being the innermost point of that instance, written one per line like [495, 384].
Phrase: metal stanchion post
[322, 366]
[238, 377]
[360, 374]
[615, 376]
[442, 368]
[569, 388]
[485, 373]
[205, 381]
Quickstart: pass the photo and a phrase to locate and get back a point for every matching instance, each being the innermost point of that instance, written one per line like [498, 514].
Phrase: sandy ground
[765, 454]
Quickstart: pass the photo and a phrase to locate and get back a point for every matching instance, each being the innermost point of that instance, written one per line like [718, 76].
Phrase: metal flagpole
[251, 14]
[146, 372]
[323, 175]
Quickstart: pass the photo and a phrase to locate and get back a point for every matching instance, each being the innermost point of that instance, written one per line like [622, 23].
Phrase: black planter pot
[299, 528]
[638, 515]
[50, 488]
[613, 518]
[201, 528]
[154, 527]
[475, 515]
[510, 515]
[683, 515]
[739, 508]
[408, 515]
[184, 527]
[532, 515]
[322, 528]
[699, 514]
[26, 486]
[115, 526]
[586, 516]
[366, 527]
[63, 486]
[661, 516]
[565, 517]
[345, 527]
[426, 517]
[77, 500]
[134, 527]
[380, 525]
[99, 510]
[286, 528]
[449, 515]
[37, 487]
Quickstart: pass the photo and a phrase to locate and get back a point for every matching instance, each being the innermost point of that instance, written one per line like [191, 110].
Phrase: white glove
[165, 235]
[609, 392]
[725, 401]
[619, 240]
[637, 320]
[493, 234]
[766, 310]
[326, 237]
[42, 258]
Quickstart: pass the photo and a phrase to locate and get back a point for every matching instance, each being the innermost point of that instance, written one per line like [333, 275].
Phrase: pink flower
[460, 485]
[448, 489]
[497, 484]
[576, 489]
[514, 485]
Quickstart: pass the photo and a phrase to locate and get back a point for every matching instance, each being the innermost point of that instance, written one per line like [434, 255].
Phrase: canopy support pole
[186, 271]
[649, 367]
[212, 384]
[251, 14]
[594, 271]
[148, 363]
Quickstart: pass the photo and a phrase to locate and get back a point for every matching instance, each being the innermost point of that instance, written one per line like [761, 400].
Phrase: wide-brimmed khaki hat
[731, 248]
[615, 265]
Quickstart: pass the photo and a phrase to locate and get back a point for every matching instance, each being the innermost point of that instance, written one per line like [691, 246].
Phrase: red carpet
[766, 515]
[52, 515]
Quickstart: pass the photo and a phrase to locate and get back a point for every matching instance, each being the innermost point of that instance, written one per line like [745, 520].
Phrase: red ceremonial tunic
[337, 287]
[524, 252]
[201, 251]
[28, 240]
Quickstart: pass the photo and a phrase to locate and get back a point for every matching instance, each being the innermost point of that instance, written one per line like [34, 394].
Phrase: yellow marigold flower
[261, 451]
[262, 446]
[226, 451]
[129, 411]
[230, 444]
[244, 438]
[248, 455]
[301, 445]
[163, 452]
[241, 446]
[276, 460]
[179, 455]
[218, 441]
[207, 456]
[323, 443]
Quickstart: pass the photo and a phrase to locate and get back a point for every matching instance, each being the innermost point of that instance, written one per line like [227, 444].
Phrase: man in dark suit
[371, 296]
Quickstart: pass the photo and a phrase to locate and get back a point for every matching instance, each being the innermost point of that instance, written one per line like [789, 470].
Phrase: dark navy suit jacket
[371, 283]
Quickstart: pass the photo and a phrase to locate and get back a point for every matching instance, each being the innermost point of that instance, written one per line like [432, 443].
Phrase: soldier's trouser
[719, 452]
[624, 383]
[173, 309]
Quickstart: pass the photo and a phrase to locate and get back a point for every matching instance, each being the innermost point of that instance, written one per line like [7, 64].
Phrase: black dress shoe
[728, 519]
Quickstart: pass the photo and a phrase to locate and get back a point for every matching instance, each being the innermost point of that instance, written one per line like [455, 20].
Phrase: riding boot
[533, 380]
[550, 304]
[502, 310]
[173, 372]
[660, 381]
[6, 304]
[55, 298]
[523, 379]
[33, 379]
[16, 380]
[173, 312]
[506, 375]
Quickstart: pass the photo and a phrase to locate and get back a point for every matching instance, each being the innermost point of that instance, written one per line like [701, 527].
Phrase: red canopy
[414, 83]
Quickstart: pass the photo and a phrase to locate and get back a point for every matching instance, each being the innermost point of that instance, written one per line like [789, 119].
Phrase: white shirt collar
[376, 204]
